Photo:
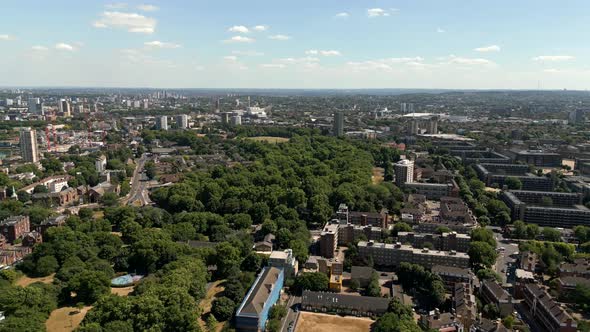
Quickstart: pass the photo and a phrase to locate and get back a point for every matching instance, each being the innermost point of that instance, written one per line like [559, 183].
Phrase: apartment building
[252, 313]
[446, 241]
[496, 175]
[553, 209]
[546, 312]
[432, 191]
[344, 304]
[348, 233]
[329, 240]
[13, 228]
[465, 304]
[384, 254]
[451, 276]
[493, 293]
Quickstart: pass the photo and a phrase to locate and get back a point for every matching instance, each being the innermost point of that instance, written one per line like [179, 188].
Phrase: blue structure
[252, 313]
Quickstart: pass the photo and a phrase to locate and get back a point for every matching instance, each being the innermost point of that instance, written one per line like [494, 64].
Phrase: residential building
[66, 197]
[362, 274]
[493, 293]
[579, 268]
[528, 261]
[64, 108]
[576, 116]
[451, 276]
[101, 163]
[56, 221]
[446, 241]
[443, 322]
[569, 284]
[404, 172]
[30, 239]
[182, 121]
[266, 245]
[432, 191]
[465, 304]
[474, 156]
[284, 260]
[162, 123]
[375, 219]
[495, 175]
[349, 232]
[384, 254]
[236, 120]
[338, 124]
[35, 106]
[538, 158]
[546, 312]
[13, 228]
[28, 145]
[344, 304]
[329, 240]
[252, 313]
[553, 209]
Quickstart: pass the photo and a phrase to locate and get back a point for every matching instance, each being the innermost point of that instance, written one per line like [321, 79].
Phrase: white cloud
[552, 71]
[279, 37]
[39, 48]
[440, 30]
[323, 52]
[389, 64]
[6, 37]
[230, 58]
[135, 56]
[260, 28]
[467, 61]
[132, 22]
[486, 49]
[272, 65]
[553, 58]
[378, 12]
[238, 29]
[147, 8]
[248, 53]
[342, 15]
[159, 44]
[64, 47]
[306, 59]
[239, 39]
[116, 5]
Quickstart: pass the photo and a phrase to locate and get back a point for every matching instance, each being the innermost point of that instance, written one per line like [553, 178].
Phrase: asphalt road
[138, 190]
[294, 302]
[505, 264]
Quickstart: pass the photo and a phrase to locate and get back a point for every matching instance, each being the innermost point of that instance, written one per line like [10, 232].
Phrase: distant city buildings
[575, 117]
[404, 172]
[64, 108]
[28, 145]
[100, 164]
[338, 124]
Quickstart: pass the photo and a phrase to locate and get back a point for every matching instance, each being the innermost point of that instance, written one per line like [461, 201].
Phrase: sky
[344, 44]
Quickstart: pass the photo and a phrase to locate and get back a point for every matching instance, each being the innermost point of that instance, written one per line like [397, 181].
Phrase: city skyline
[262, 44]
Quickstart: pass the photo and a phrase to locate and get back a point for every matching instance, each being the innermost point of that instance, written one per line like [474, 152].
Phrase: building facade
[28, 145]
[384, 254]
[252, 313]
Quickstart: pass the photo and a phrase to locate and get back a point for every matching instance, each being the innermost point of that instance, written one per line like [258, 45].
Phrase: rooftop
[258, 295]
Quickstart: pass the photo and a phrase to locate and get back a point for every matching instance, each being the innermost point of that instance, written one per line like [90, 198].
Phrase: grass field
[122, 291]
[65, 319]
[24, 281]
[315, 322]
[269, 139]
[205, 305]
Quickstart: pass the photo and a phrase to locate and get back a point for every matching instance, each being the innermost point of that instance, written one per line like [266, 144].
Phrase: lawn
[65, 319]
[316, 322]
[24, 281]
[269, 139]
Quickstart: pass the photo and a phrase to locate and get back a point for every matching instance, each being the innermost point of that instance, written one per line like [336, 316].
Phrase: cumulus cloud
[238, 29]
[147, 8]
[116, 5]
[467, 61]
[342, 15]
[160, 44]
[260, 28]
[131, 22]
[230, 58]
[389, 64]
[553, 58]
[65, 47]
[440, 30]
[380, 12]
[273, 65]
[279, 37]
[6, 37]
[486, 49]
[239, 39]
[39, 48]
[323, 52]
[248, 53]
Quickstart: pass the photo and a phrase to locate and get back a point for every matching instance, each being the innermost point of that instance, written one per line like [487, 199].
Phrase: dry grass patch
[66, 319]
[269, 139]
[24, 281]
[122, 291]
[316, 322]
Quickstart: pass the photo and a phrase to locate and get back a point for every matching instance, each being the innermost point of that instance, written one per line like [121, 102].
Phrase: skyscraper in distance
[28, 145]
[338, 124]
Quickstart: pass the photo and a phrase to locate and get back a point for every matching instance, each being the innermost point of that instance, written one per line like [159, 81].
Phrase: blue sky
[518, 44]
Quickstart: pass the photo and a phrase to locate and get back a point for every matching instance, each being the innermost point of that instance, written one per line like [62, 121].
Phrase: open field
[65, 319]
[205, 305]
[269, 139]
[315, 322]
[378, 173]
[122, 291]
[24, 281]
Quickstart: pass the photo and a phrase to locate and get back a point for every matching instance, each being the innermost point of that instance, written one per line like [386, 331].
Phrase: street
[505, 263]
[138, 192]
[293, 304]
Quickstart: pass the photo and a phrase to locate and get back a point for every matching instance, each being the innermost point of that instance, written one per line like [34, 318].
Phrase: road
[505, 263]
[293, 304]
[138, 190]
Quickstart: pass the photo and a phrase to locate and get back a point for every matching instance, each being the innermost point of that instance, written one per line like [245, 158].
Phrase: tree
[442, 229]
[582, 233]
[46, 265]
[223, 308]
[488, 274]
[401, 227]
[40, 189]
[313, 281]
[211, 323]
[399, 309]
[551, 234]
[150, 169]
[109, 199]
[391, 322]
[482, 254]
[228, 256]
[88, 286]
[277, 311]
[354, 285]
[374, 289]
[483, 235]
[513, 183]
